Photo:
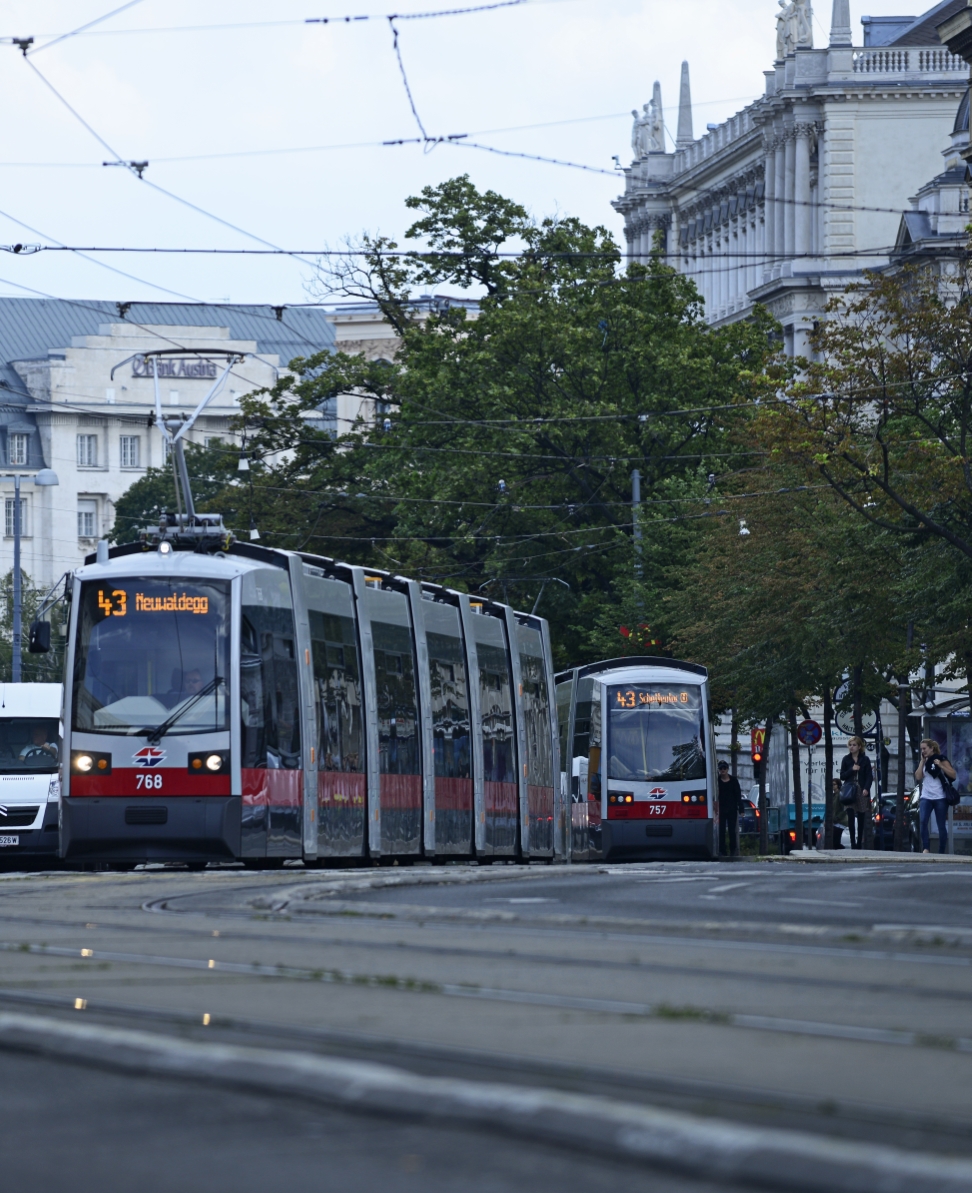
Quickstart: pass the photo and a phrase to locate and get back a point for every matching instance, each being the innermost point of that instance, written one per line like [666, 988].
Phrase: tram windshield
[152, 652]
[656, 731]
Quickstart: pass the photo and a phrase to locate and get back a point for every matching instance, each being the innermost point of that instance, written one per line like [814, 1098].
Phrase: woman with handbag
[935, 774]
[856, 778]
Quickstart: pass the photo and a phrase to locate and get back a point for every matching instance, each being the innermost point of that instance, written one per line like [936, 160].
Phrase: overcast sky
[181, 98]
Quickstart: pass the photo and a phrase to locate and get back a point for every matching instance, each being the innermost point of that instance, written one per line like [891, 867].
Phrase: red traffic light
[757, 756]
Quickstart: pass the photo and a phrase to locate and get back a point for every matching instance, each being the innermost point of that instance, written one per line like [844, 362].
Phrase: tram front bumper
[151, 829]
[658, 838]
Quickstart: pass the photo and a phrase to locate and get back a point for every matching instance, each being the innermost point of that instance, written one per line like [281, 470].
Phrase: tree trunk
[797, 789]
[734, 743]
[904, 707]
[763, 826]
[828, 784]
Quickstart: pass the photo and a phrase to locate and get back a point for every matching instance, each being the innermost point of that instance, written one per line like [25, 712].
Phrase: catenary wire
[84, 28]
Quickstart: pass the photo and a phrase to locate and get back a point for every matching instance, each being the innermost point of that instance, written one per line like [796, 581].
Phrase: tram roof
[634, 663]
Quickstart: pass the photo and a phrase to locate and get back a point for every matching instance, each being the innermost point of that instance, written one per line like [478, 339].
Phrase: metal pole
[878, 776]
[635, 511]
[813, 843]
[16, 582]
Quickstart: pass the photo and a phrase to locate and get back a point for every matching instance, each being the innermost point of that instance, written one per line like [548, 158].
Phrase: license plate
[8, 840]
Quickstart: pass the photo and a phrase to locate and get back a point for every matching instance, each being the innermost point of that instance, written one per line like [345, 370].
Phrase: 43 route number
[148, 781]
[116, 604]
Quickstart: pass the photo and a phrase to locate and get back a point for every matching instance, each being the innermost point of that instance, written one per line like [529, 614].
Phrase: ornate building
[790, 199]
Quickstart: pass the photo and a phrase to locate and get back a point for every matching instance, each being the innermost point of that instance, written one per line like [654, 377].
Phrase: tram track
[593, 1006]
[839, 1117]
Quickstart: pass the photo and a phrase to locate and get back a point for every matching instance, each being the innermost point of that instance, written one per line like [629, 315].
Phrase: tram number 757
[145, 782]
[657, 809]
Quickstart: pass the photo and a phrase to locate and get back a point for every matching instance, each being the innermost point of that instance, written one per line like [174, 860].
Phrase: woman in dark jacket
[856, 768]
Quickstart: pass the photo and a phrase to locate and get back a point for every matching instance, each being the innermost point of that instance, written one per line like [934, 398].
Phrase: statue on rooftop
[656, 122]
[794, 27]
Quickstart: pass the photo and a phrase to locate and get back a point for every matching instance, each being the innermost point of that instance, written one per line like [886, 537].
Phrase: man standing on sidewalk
[730, 798]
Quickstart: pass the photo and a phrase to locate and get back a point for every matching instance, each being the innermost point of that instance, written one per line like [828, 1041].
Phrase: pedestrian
[855, 768]
[933, 766]
[730, 799]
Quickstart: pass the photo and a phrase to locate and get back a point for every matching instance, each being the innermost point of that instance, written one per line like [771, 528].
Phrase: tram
[638, 751]
[230, 701]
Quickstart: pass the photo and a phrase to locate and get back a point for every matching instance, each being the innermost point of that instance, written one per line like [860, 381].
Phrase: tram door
[585, 772]
[451, 738]
[395, 789]
[501, 811]
[270, 718]
[339, 755]
[538, 735]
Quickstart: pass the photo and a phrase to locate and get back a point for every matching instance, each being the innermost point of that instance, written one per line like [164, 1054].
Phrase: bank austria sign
[190, 368]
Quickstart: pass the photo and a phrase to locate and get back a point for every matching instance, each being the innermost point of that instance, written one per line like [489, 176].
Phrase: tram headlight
[209, 762]
[214, 762]
[87, 762]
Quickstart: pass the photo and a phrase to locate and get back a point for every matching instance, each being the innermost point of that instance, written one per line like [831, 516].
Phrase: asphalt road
[828, 999]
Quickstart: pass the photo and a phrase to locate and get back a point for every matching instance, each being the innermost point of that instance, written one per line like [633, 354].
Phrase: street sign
[845, 719]
[809, 733]
[845, 722]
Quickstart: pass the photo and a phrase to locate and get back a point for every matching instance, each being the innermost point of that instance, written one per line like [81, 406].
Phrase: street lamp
[46, 477]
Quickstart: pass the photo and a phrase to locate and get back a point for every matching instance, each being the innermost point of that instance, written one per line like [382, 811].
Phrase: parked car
[748, 817]
[885, 814]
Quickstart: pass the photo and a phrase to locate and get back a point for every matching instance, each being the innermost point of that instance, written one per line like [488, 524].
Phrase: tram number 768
[144, 782]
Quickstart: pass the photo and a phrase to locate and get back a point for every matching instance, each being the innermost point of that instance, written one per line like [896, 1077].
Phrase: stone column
[803, 212]
[789, 235]
[779, 218]
[769, 211]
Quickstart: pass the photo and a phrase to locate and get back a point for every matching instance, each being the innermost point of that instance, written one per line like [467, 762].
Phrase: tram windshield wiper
[155, 735]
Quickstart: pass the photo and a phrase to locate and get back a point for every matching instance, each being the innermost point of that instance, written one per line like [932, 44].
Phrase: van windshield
[656, 731]
[29, 745]
[146, 650]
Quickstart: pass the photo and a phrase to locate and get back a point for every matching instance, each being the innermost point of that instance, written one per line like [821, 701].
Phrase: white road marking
[823, 902]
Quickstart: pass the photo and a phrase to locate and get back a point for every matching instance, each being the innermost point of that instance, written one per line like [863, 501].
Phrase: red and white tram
[639, 759]
[244, 702]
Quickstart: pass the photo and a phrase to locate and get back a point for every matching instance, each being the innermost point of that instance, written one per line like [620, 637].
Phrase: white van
[30, 755]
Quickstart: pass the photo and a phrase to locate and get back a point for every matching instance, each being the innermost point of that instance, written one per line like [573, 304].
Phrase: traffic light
[757, 739]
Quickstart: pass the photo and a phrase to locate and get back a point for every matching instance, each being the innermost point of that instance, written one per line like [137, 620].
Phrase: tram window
[496, 700]
[338, 678]
[269, 701]
[536, 719]
[563, 717]
[398, 741]
[146, 649]
[450, 707]
[657, 731]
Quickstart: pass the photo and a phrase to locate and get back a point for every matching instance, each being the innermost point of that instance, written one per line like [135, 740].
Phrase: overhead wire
[83, 28]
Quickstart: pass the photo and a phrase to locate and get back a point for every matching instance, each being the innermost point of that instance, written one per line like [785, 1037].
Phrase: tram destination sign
[655, 696]
[171, 368]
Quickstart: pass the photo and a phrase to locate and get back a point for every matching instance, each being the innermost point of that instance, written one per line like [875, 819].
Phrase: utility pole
[636, 519]
[904, 708]
[44, 477]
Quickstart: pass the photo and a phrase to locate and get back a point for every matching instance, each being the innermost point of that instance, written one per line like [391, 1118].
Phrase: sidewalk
[831, 856]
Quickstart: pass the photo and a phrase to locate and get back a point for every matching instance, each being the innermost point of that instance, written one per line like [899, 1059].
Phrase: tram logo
[148, 756]
[658, 793]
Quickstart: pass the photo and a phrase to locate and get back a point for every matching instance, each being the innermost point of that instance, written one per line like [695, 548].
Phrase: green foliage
[511, 435]
[35, 668]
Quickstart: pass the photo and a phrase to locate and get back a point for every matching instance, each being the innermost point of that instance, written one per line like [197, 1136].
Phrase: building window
[173, 397]
[17, 445]
[110, 397]
[8, 528]
[87, 519]
[130, 456]
[87, 451]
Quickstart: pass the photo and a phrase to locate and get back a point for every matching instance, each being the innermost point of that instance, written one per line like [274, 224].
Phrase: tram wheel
[195, 865]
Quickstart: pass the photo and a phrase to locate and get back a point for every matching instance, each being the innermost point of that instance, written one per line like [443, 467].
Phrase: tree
[505, 442]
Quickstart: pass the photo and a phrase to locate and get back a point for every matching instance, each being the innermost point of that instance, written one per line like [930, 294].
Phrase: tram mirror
[40, 637]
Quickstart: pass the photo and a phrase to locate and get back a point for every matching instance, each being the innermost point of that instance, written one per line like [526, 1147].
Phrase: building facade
[792, 198]
[77, 396]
